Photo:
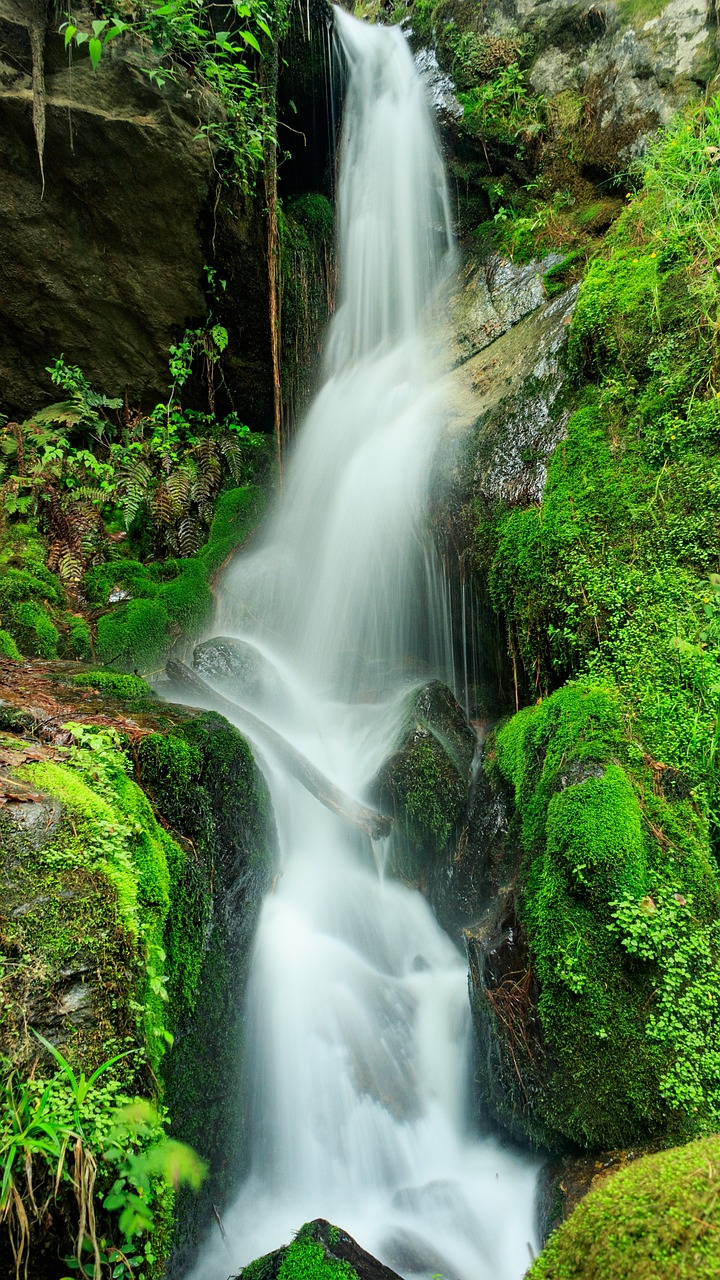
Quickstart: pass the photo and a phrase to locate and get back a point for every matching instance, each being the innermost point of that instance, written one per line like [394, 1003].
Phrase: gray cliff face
[634, 62]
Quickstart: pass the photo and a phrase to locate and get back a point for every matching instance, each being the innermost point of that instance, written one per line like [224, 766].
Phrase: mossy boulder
[134, 863]
[657, 1219]
[601, 999]
[319, 1251]
[425, 781]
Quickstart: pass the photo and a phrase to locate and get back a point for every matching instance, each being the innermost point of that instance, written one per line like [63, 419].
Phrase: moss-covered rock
[425, 781]
[132, 877]
[319, 1251]
[657, 1219]
[613, 979]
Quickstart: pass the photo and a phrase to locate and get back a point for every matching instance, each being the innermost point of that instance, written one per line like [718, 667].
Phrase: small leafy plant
[100, 1156]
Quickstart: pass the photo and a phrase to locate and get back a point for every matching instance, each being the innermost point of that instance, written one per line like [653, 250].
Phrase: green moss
[203, 782]
[305, 1259]
[109, 829]
[19, 584]
[131, 576]
[114, 684]
[640, 11]
[308, 1257]
[236, 514]
[134, 635]
[186, 595]
[599, 845]
[8, 647]
[79, 638]
[33, 629]
[657, 1219]
[428, 790]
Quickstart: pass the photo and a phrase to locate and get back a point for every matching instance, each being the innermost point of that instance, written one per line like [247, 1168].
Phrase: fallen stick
[369, 820]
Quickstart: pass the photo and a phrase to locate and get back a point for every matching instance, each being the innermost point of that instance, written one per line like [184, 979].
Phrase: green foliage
[656, 1219]
[504, 109]
[77, 1141]
[182, 32]
[664, 931]
[615, 572]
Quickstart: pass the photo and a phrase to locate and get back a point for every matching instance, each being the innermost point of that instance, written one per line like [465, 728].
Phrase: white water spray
[358, 1023]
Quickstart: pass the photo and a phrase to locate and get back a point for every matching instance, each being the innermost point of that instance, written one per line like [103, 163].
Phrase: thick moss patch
[617, 899]
[658, 1219]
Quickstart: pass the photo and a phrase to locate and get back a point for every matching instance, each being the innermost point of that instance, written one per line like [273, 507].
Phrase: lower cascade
[357, 1051]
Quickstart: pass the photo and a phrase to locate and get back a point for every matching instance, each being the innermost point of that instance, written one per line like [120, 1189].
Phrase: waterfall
[358, 1025]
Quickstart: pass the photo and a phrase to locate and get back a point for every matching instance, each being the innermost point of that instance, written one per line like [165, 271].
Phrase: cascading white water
[358, 1027]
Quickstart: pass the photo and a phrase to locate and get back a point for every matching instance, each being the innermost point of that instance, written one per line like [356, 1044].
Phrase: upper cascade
[394, 230]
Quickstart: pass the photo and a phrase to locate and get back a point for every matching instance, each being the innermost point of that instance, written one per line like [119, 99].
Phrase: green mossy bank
[658, 1219]
[134, 861]
[608, 591]
[132, 612]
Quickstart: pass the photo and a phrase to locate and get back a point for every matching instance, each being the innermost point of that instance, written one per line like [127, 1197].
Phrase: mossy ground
[657, 1219]
[610, 583]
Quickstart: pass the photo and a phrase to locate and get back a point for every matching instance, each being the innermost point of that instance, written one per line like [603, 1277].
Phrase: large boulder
[104, 262]
[586, 973]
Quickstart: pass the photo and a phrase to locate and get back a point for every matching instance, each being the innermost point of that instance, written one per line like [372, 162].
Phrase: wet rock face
[506, 393]
[494, 295]
[105, 267]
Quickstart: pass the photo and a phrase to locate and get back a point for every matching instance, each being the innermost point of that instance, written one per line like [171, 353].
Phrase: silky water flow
[358, 1024]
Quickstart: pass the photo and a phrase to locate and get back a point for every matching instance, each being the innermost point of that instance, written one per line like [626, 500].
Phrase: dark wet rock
[95, 266]
[565, 1180]
[234, 664]
[317, 1246]
[481, 864]
[510, 1057]
[425, 782]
